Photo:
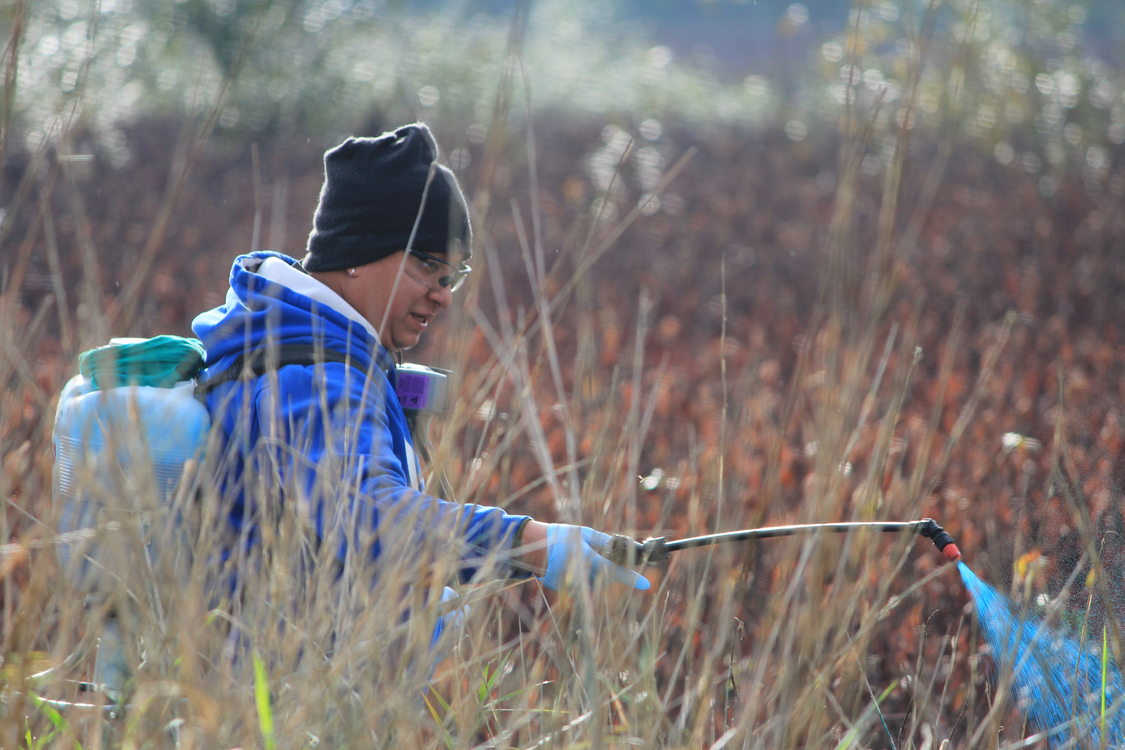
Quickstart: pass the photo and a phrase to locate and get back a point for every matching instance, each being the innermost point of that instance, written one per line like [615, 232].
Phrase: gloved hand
[573, 549]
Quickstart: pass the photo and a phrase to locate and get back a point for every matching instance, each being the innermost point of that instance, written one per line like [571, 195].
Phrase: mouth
[423, 320]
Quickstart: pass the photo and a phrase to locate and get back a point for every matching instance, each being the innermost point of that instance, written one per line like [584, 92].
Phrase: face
[400, 296]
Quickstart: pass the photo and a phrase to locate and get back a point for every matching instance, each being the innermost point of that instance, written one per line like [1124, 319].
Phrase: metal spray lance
[624, 550]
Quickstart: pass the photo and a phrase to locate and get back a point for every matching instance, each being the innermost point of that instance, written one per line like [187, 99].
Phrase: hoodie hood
[259, 313]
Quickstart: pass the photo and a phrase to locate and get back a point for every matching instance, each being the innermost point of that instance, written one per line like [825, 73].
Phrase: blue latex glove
[572, 549]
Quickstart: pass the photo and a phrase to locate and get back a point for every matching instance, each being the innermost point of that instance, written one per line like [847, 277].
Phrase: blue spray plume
[1069, 693]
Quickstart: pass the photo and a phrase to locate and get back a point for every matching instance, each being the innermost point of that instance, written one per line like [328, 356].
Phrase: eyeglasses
[452, 276]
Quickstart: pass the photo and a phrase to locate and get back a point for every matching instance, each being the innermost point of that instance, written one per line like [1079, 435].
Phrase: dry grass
[780, 645]
[849, 641]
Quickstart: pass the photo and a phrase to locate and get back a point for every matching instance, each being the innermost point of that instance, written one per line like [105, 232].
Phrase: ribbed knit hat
[381, 195]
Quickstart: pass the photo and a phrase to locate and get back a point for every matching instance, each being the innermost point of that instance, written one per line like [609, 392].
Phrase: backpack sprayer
[135, 412]
[655, 550]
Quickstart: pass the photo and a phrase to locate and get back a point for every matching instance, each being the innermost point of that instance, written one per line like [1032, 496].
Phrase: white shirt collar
[280, 272]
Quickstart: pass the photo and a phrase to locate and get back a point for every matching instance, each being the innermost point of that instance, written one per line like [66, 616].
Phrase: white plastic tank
[120, 456]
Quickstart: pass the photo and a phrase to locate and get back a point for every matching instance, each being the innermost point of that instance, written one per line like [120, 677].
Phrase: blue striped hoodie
[327, 436]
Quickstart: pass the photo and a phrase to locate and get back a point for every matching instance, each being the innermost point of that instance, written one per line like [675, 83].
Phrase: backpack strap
[254, 364]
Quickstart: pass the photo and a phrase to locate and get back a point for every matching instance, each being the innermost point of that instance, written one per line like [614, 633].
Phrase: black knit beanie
[381, 195]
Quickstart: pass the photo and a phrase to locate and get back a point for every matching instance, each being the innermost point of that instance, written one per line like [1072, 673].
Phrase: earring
[351, 272]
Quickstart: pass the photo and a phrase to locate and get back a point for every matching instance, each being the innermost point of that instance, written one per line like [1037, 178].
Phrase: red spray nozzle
[929, 528]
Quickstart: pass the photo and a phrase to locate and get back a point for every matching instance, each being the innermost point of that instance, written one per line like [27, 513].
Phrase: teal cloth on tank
[159, 361]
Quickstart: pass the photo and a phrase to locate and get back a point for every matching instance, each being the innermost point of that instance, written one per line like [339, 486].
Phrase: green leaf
[853, 733]
[445, 735]
[1105, 662]
[262, 701]
[58, 721]
[53, 715]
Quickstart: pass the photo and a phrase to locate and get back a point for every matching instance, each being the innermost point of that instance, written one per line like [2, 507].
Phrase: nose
[442, 296]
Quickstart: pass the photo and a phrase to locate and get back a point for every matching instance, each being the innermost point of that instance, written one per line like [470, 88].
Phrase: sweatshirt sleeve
[334, 442]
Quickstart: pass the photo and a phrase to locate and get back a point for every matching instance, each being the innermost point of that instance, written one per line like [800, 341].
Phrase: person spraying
[390, 246]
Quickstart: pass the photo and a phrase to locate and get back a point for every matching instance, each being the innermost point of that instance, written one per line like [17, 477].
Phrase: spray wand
[624, 550]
